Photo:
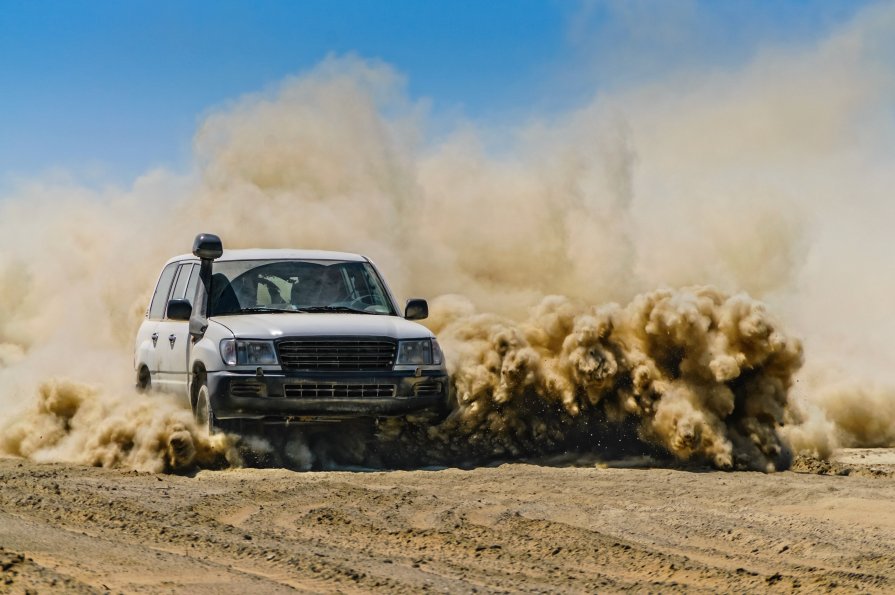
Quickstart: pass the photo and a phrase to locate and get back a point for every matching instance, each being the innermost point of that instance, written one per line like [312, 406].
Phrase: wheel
[446, 407]
[144, 380]
[204, 414]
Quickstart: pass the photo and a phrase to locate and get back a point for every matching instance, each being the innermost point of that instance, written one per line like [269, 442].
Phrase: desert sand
[522, 527]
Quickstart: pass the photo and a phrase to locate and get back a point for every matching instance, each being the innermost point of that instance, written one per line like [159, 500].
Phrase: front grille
[298, 391]
[337, 354]
[246, 388]
[426, 389]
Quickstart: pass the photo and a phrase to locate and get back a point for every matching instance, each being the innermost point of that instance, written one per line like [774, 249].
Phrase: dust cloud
[680, 219]
[703, 375]
[72, 421]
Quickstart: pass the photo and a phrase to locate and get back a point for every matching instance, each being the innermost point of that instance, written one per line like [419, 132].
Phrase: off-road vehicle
[286, 336]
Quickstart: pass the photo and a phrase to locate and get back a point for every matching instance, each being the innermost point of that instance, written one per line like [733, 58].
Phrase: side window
[373, 287]
[191, 286]
[358, 282]
[279, 290]
[263, 298]
[160, 297]
[183, 277]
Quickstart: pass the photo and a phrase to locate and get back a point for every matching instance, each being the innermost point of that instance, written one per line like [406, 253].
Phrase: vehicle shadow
[361, 447]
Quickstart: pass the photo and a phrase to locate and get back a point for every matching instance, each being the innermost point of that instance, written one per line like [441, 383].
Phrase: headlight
[250, 353]
[437, 354]
[419, 352]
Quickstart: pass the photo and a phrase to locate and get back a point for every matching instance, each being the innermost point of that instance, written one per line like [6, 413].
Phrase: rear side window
[160, 297]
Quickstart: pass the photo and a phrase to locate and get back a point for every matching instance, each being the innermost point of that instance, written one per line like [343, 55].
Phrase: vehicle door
[174, 335]
[146, 349]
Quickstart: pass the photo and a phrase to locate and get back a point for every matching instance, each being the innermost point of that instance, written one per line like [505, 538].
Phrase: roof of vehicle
[278, 254]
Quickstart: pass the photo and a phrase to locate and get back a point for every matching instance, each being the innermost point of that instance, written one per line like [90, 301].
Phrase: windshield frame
[390, 302]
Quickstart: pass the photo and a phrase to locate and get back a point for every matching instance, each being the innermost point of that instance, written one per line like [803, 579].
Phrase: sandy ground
[825, 526]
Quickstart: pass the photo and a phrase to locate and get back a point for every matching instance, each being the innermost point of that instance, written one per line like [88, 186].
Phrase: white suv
[286, 336]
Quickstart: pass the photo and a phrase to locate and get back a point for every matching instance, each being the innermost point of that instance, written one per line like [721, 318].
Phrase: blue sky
[106, 90]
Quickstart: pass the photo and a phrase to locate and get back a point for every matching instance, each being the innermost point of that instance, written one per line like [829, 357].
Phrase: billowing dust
[700, 374]
[681, 220]
[72, 421]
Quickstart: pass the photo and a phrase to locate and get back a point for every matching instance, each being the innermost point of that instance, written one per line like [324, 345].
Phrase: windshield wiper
[255, 309]
[344, 309]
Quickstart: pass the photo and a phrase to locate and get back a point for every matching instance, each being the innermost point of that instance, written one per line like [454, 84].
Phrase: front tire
[203, 413]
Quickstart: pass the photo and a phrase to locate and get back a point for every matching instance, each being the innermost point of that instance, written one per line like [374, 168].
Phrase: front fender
[207, 349]
[207, 352]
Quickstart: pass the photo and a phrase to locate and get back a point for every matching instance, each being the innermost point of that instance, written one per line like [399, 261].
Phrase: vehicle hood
[320, 324]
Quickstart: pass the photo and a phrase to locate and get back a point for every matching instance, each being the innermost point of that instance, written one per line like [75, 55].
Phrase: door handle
[171, 338]
[154, 339]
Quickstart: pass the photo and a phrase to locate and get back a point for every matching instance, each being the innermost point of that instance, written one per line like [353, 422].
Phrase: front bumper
[310, 396]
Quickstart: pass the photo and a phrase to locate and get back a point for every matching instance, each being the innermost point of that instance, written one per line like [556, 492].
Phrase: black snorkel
[207, 247]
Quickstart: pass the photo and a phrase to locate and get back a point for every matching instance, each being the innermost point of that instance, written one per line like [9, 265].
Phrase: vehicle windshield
[251, 286]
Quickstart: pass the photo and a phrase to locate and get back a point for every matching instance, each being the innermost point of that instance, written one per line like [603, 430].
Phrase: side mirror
[207, 246]
[416, 309]
[179, 310]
